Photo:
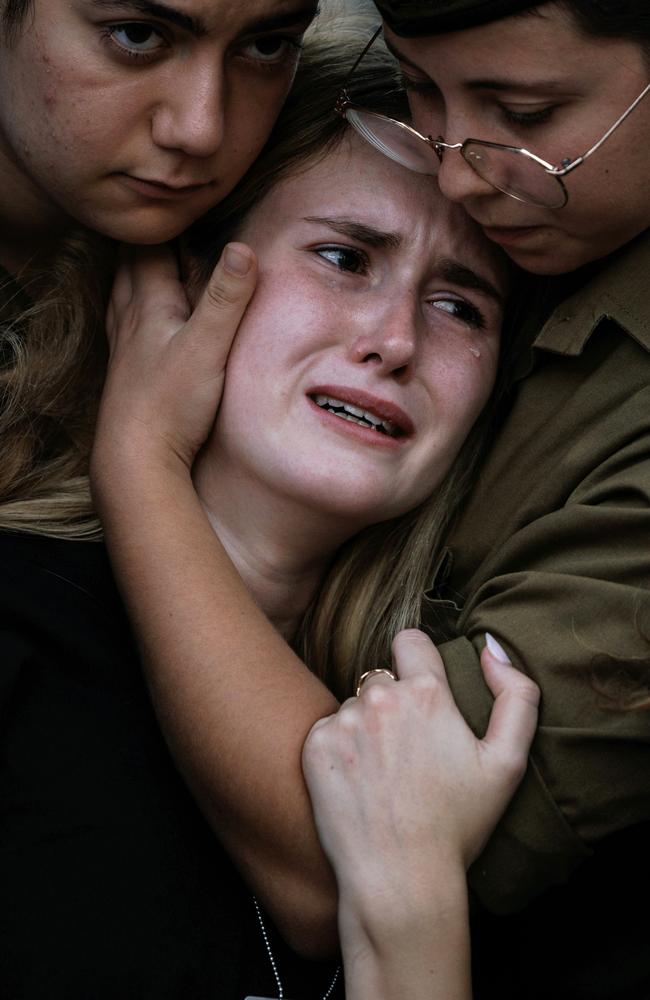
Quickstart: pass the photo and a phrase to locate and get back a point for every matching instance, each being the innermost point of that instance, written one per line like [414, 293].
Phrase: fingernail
[236, 261]
[497, 650]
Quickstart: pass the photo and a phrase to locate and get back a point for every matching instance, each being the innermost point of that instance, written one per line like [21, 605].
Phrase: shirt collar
[618, 292]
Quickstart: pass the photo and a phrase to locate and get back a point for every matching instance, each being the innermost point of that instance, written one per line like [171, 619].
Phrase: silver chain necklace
[274, 966]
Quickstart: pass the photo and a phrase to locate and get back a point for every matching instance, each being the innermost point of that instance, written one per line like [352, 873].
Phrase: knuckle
[513, 763]
[426, 686]
[411, 644]
[220, 295]
[525, 689]
[379, 695]
[411, 636]
[316, 742]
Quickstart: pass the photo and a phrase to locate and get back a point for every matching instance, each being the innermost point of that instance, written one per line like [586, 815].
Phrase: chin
[565, 255]
[144, 228]
[151, 235]
[362, 515]
[546, 263]
[347, 506]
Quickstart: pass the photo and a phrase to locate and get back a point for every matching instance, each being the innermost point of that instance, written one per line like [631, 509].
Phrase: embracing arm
[234, 702]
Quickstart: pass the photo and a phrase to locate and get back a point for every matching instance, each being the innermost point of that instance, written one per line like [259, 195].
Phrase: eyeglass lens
[506, 170]
[515, 174]
[394, 140]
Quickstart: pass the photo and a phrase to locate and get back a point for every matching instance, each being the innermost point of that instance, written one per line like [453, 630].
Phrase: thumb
[515, 710]
[228, 292]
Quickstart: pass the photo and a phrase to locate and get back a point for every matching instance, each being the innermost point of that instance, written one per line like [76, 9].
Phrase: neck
[280, 546]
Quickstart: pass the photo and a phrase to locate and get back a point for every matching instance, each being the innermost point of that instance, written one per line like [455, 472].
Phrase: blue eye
[344, 258]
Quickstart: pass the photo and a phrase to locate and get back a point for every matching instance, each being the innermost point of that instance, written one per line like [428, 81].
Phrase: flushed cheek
[467, 372]
[303, 323]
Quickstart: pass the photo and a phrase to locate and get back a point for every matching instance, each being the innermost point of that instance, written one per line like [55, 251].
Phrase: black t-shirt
[111, 882]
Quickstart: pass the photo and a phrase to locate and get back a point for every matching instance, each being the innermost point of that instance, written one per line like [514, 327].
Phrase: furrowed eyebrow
[464, 276]
[451, 270]
[161, 11]
[359, 231]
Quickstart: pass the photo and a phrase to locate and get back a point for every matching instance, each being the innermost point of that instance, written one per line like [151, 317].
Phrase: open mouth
[357, 415]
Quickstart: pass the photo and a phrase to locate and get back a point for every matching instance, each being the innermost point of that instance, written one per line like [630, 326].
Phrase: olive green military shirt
[552, 555]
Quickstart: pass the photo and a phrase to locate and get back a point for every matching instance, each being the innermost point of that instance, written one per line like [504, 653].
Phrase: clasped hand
[401, 787]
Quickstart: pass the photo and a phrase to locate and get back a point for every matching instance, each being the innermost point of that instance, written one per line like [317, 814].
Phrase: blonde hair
[53, 362]
[378, 580]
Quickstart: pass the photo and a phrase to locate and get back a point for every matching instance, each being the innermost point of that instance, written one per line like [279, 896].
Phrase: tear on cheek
[473, 349]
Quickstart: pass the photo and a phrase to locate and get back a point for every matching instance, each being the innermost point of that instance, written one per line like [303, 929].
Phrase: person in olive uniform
[549, 552]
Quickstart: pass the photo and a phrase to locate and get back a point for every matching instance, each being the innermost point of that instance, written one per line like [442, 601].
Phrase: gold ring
[372, 673]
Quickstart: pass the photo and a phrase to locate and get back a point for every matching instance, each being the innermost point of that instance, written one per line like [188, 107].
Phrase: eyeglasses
[512, 170]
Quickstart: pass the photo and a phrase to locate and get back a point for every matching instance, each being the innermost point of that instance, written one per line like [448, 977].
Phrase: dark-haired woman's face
[537, 82]
[134, 118]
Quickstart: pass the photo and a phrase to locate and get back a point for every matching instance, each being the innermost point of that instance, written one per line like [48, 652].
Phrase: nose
[191, 118]
[458, 181]
[390, 341]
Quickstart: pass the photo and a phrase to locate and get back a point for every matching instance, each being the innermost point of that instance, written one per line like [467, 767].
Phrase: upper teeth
[358, 416]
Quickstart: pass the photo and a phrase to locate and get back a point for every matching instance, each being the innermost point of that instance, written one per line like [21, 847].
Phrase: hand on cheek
[166, 367]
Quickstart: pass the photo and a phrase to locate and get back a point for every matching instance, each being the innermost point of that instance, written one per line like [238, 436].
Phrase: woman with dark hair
[132, 120]
[118, 121]
[549, 553]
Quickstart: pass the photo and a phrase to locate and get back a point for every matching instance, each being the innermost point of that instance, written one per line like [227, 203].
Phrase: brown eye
[538, 117]
[273, 48]
[136, 37]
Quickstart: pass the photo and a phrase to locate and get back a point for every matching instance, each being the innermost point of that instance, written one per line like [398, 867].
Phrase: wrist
[137, 481]
[402, 949]
[403, 905]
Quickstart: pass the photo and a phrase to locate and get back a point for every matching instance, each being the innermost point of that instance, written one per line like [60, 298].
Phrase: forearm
[234, 702]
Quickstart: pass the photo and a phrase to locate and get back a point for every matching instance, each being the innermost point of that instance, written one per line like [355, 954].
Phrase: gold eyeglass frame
[438, 145]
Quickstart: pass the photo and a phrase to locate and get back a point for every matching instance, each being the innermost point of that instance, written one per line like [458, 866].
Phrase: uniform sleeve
[568, 596]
